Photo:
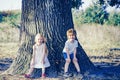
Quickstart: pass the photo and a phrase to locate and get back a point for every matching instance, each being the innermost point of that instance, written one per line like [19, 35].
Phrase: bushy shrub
[94, 14]
[114, 19]
[4, 14]
[97, 14]
[10, 17]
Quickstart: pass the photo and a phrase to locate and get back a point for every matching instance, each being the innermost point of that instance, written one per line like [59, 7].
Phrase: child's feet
[67, 74]
[43, 75]
[79, 75]
[27, 75]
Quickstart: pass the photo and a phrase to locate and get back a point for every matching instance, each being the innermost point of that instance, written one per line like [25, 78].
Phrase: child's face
[40, 40]
[71, 37]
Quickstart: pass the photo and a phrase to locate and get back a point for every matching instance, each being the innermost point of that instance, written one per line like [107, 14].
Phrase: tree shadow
[106, 70]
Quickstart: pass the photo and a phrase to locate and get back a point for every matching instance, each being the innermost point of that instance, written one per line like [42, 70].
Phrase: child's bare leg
[43, 73]
[29, 73]
[31, 66]
[76, 65]
[30, 70]
[43, 70]
[66, 65]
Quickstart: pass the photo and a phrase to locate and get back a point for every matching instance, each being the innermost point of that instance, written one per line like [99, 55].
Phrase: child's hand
[43, 62]
[68, 59]
[32, 63]
[75, 59]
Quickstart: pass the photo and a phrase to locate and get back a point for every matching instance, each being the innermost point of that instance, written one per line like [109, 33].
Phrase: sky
[16, 4]
[10, 4]
[86, 4]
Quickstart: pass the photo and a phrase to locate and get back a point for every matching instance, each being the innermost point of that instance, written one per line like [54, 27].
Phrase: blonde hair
[71, 32]
[40, 35]
[44, 41]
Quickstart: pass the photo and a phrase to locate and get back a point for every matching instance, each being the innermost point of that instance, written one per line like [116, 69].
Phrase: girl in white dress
[39, 58]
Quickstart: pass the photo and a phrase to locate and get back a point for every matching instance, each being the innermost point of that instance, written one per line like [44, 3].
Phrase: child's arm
[75, 51]
[67, 51]
[33, 56]
[44, 53]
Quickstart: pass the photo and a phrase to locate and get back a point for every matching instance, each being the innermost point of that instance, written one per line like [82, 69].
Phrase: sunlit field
[96, 40]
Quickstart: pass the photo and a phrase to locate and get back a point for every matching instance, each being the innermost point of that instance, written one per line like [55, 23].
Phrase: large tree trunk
[52, 18]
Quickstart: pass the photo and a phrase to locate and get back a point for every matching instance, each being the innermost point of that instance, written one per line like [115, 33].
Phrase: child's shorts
[65, 55]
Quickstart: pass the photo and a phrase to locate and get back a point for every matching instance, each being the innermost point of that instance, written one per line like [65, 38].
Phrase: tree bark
[52, 18]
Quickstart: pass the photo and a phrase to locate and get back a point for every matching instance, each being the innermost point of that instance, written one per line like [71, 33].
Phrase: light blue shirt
[70, 46]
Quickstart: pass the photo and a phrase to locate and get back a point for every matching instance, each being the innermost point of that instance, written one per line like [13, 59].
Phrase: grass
[9, 38]
[97, 39]
[8, 34]
[8, 50]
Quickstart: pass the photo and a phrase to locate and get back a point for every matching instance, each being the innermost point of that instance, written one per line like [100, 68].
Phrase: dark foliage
[114, 2]
[111, 2]
[76, 3]
[101, 1]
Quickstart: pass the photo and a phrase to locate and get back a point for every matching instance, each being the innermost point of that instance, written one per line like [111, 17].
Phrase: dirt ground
[109, 69]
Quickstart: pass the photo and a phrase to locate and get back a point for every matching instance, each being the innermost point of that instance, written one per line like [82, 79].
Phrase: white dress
[38, 57]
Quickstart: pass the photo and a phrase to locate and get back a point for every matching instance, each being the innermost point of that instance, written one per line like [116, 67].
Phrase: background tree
[93, 14]
[97, 13]
[52, 18]
[111, 2]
